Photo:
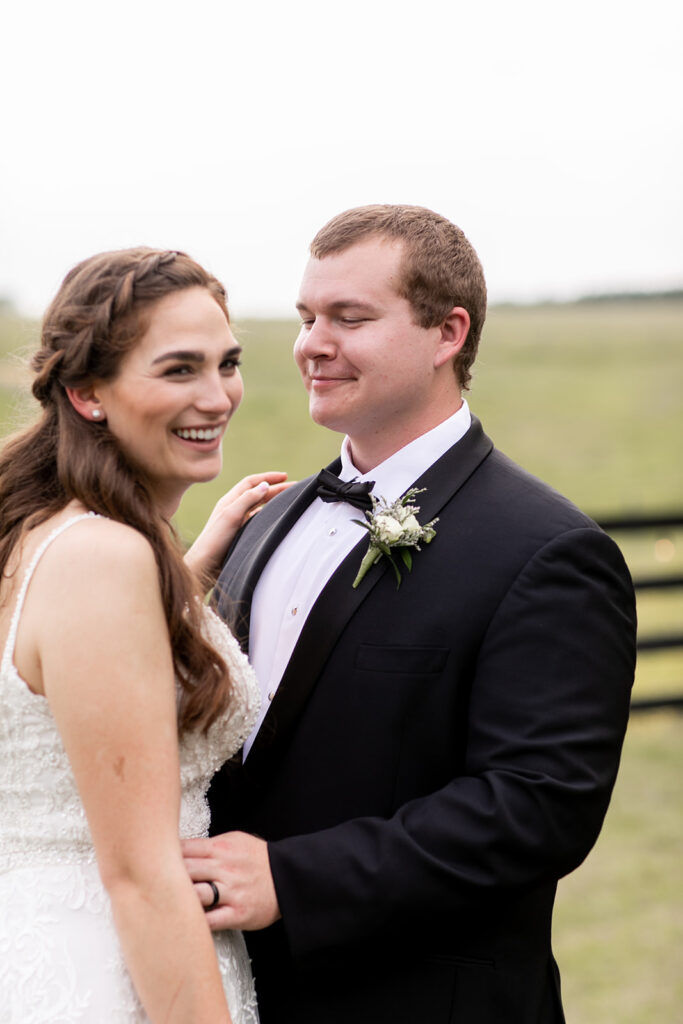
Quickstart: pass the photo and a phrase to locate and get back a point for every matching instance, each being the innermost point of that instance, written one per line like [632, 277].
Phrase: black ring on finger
[216, 897]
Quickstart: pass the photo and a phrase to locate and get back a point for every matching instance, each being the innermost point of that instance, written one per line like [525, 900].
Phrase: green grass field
[588, 397]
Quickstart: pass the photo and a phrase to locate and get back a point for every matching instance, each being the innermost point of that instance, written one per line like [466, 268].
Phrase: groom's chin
[326, 417]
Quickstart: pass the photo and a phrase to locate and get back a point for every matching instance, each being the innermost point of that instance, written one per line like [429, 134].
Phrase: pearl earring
[96, 413]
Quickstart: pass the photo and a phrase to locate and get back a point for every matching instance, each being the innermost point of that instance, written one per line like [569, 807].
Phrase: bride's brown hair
[98, 315]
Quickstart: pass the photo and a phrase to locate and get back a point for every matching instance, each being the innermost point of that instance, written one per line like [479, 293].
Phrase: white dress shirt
[317, 544]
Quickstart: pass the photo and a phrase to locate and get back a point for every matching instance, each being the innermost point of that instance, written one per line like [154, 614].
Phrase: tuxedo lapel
[334, 607]
[338, 602]
[449, 473]
[243, 568]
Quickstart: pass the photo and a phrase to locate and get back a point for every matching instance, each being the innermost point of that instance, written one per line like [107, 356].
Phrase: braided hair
[98, 315]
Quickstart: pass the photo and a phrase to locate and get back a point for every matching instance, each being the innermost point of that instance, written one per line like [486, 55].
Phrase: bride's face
[173, 396]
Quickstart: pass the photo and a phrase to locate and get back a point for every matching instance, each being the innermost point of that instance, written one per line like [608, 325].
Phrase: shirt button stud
[294, 611]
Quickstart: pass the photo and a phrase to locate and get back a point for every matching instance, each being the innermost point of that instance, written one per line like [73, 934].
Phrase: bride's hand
[206, 555]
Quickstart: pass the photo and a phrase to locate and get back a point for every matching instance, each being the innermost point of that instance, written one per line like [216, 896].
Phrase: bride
[120, 693]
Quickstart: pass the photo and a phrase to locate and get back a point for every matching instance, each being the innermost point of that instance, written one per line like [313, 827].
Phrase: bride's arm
[206, 555]
[108, 676]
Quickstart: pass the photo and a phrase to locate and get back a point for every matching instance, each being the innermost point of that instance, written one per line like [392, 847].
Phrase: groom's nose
[316, 341]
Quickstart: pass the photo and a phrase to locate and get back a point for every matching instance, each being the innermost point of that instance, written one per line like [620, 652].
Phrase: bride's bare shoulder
[96, 548]
[96, 581]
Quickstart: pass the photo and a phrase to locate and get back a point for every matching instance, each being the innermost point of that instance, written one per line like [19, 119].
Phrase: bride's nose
[218, 394]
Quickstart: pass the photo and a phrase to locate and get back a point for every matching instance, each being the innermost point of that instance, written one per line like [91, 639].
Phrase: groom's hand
[239, 867]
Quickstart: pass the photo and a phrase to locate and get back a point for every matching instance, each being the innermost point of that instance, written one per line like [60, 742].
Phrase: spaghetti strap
[8, 654]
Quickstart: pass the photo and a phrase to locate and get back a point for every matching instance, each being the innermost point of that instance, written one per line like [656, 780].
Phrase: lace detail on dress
[202, 755]
[60, 960]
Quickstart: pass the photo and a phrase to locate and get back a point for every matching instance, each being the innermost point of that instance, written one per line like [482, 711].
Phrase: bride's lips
[202, 436]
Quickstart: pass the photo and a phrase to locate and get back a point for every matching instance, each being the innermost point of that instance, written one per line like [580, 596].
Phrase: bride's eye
[229, 365]
[178, 371]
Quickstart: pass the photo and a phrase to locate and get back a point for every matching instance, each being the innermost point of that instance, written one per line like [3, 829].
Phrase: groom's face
[367, 366]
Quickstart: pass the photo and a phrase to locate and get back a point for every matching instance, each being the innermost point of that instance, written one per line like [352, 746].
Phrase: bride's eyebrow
[181, 355]
[189, 356]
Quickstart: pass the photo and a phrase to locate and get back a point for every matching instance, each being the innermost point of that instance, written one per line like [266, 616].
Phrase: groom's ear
[454, 330]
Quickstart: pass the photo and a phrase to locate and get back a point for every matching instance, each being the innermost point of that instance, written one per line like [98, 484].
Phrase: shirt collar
[395, 475]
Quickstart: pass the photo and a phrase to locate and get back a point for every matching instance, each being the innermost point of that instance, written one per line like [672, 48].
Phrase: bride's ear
[86, 403]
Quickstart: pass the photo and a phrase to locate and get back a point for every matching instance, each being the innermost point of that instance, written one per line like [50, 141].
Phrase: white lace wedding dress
[60, 960]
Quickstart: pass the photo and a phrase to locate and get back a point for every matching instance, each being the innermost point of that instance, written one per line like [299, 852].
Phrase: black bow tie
[355, 492]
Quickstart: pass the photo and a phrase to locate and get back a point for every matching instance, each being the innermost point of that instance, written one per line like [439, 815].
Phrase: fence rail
[669, 581]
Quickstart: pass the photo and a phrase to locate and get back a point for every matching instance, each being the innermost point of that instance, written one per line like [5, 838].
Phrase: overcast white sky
[552, 134]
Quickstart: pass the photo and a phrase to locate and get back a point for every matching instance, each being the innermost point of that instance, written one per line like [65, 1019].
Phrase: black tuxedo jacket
[436, 756]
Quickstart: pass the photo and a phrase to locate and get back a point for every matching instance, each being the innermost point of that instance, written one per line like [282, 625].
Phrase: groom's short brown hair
[440, 267]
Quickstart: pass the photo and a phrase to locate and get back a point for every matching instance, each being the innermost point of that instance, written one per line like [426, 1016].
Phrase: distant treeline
[7, 307]
[674, 295]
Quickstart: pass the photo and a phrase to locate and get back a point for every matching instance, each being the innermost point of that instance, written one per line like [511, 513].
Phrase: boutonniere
[394, 527]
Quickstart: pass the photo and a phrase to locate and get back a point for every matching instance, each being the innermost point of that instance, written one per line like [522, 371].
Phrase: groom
[434, 755]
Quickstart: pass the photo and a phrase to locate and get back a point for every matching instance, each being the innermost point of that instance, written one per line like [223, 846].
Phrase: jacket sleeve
[547, 715]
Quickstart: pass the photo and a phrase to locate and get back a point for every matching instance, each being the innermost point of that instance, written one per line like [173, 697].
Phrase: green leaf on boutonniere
[393, 525]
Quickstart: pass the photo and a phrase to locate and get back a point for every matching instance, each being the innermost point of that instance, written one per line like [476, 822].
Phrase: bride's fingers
[248, 483]
[244, 504]
[235, 507]
[268, 495]
[242, 508]
[229, 514]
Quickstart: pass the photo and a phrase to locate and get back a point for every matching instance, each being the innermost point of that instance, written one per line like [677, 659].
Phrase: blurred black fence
[666, 581]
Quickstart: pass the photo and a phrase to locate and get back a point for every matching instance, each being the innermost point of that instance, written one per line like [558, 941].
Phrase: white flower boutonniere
[394, 525]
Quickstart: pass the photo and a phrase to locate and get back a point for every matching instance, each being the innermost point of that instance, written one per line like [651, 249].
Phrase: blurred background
[552, 137]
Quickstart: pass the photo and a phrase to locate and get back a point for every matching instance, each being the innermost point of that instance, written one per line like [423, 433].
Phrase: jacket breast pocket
[414, 661]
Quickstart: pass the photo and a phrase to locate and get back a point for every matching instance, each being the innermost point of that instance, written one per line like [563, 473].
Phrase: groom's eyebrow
[341, 304]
